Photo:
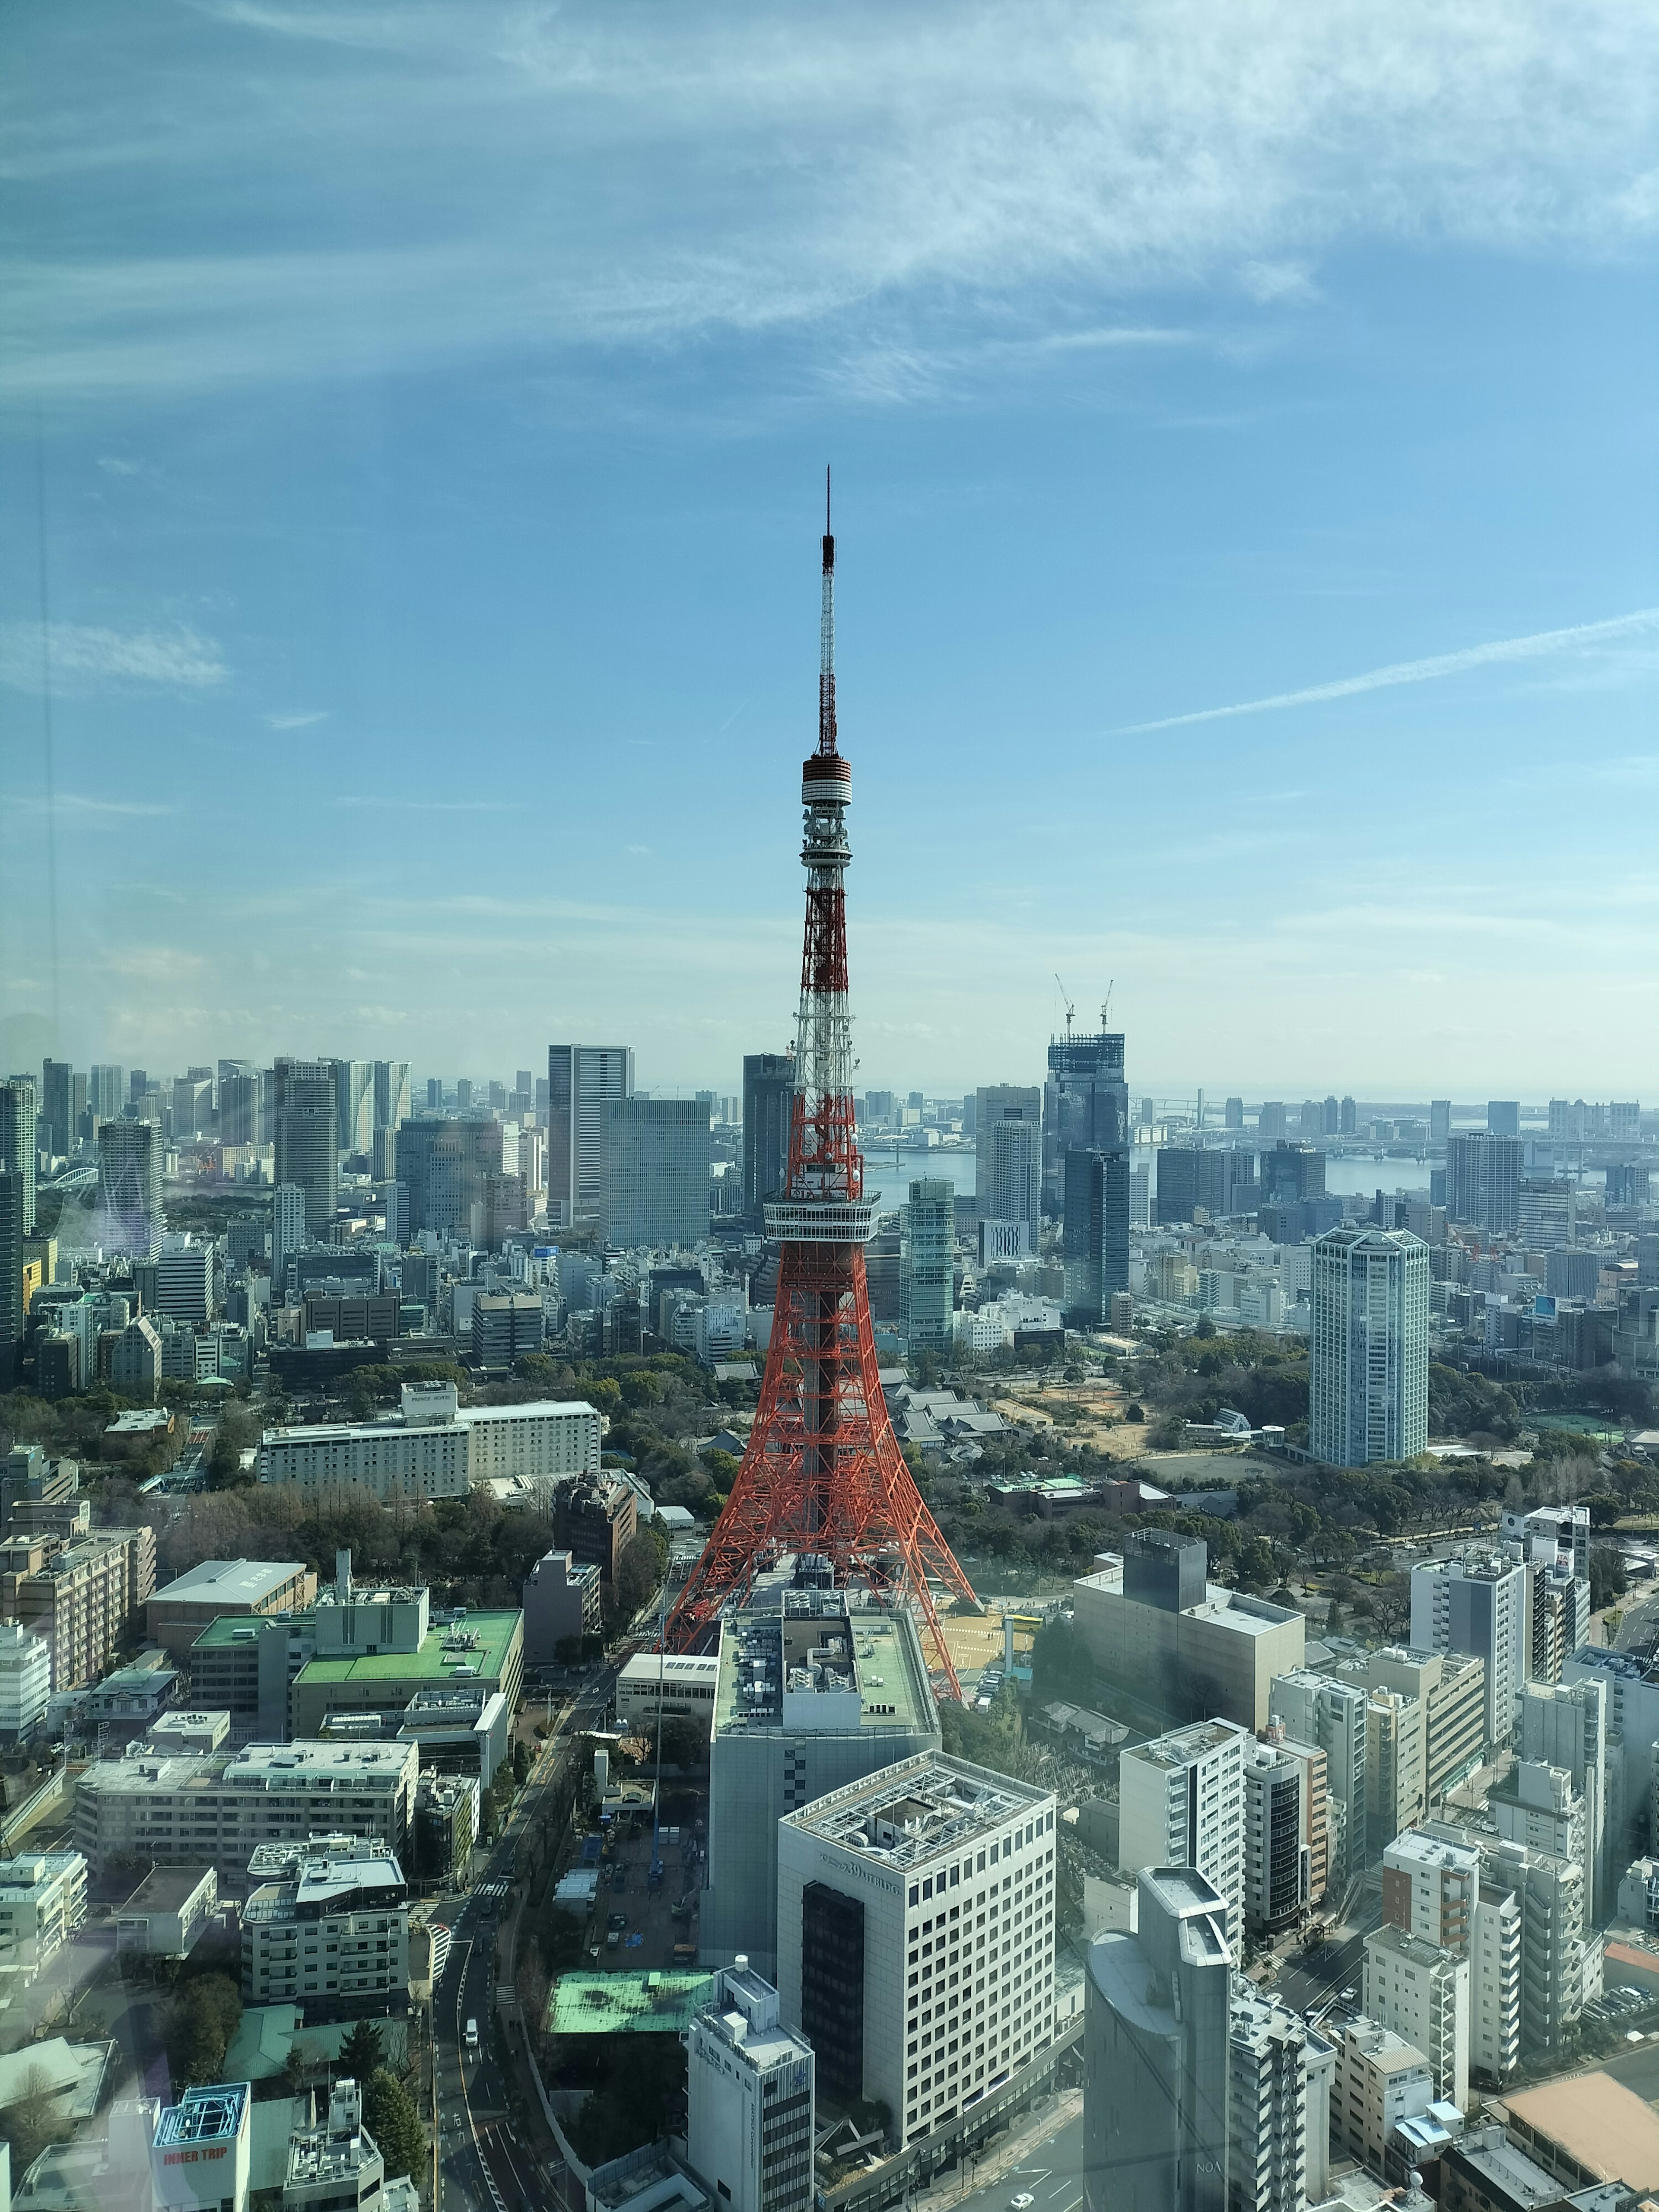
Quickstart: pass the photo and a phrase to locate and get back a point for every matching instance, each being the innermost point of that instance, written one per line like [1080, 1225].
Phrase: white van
[473, 2035]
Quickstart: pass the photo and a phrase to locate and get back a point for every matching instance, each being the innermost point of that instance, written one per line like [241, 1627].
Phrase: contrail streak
[1417, 671]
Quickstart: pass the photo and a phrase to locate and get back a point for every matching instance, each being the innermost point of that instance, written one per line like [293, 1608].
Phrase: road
[1051, 2173]
[485, 2162]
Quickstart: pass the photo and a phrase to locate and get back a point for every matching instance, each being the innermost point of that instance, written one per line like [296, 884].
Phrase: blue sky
[428, 406]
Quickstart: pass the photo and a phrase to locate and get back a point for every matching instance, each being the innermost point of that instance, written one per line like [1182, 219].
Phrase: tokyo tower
[823, 1472]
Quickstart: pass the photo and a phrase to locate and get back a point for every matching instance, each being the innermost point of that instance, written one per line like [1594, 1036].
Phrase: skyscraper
[287, 1233]
[392, 1102]
[1504, 1117]
[11, 1275]
[1008, 1154]
[1289, 1172]
[18, 1141]
[1329, 1714]
[928, 1250]
[582, 1079]
[308, 1132]
[1368, 1376]
[1440, 1121]
[1483, 1181]
[1477, 1604]
[1086, 1106]
[107, 1093]
[769, 1089]
[354, 1098]
[1097, 1233]
[55, 1132]
[1155, 2052]
[444, 1164]
[656, 1172]
[130, 1187]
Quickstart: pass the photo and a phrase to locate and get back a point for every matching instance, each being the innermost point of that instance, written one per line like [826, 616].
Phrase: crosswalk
[492, 1889]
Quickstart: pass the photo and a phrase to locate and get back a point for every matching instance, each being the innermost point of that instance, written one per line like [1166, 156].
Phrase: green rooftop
[661, 2004]
[433, 1662]
[224, 1630]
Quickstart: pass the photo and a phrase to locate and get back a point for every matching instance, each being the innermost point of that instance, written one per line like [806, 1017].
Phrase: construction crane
[1070, 1009]
[1106, 1004]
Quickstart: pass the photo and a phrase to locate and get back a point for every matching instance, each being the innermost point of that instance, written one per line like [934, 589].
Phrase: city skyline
[1249, 582]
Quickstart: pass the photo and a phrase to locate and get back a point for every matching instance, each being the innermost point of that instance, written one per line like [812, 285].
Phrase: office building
[184, 1281]
[1181, 1802]
[1477, 1605]
[1095, 1191]
[1291, 1174]
[594, 1517]
[1449, 1689]
[1369, 1346]
[890, 1876]
[1176, 1194]
[392, 1102]
[1152, 1620]
[560, 1607]
[130, 1188]
[1421, 1992]
[202, 2156]
[655, 1161]
[804, 1700]
[1157, 2024]
[769, 1094]
[1278, 1885]
[1328, 1715]
[436, 1449]
[676, 1685]
[1483, 1182]
[306, 1112]
[1280, 2077]
[507, 1327]
[43, 1900]
[750, 2108]
[20, 1141]
[55, 1132]
[927, 1251]
[1381, 2080]
[582, 1080]
[336, 2165]
[325, 1927]
[1008, 1153]
[375, 1650]
[13, 1310]
[444, 1165]
[354, 1101]
[25, 1683]
[82, 1597]
[243, 1665]
[446, 1826]
[1086, 1106]
[202, 1807]
[176, 1613]
[1504, 1117]
[1547, 1222]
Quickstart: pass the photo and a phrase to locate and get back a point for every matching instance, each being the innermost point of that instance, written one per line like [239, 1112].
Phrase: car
[1022, 2203]
[617, 1920]
[473, 2035]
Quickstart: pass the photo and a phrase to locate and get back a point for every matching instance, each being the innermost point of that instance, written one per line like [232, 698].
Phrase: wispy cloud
[609, 173]
[84, 657]
[75, 802]
[425, 805]
[1538, 646]
[297, 722]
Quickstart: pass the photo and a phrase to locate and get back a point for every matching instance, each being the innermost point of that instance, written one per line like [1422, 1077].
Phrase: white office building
[678, 1684]
[1329, 1716]
[1421, 1992]
[916, 1937]
[327, 1927]
[184, 1280]
[1369, 1346]
[201, 2157]
[750, 2098]
[1181, 1802]
[211, 1809]
[1477, 1605]
[434, 1448]
[25, 1681]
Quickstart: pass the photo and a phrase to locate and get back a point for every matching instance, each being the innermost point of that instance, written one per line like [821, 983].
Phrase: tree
[204, 2014]
[520, 1761]
[389, 2115]
[1607, 1577]
[363, 2052]
[32, 2120]
[638, 1570]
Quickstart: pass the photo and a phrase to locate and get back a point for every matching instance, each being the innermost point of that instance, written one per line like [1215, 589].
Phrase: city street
[1050, 2171]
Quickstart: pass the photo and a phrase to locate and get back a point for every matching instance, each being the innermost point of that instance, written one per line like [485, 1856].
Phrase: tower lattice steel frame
[823, 1472]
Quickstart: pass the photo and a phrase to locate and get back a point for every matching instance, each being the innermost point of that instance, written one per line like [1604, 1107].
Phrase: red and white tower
[823, 1472]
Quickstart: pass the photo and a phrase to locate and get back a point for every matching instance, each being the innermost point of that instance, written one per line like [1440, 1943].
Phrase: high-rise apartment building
[288, 1234]
[392, 1101]
[1277, 1856]
[1280, 2077]
[1381, 2080]
[769, 1097]
[1086, 1106]
[805, 1700]
[655, 1188]
[1421, 1992]
[1504, 1117]
[1449, 1689]
[20, 1142]
[1433, 1888]
[1483, 1182]
[1008, 1153]
[927, 1251]
[130, 1188]
[1156, 2060]
[307, 1111]
[582, 1080]
[11, 1275]
[1096, 1191]
[1477, 1604]
[1330, 1716]
[53, 1132]
[1439, 1120]
[1563, 1725]
[749, 2099]
[354, 1103]
[932, 1868]
[1369, 1371]
[1181, 1802]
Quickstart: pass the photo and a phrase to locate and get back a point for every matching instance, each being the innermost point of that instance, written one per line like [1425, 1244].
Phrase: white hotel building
[916, 1937]
[435, 1448]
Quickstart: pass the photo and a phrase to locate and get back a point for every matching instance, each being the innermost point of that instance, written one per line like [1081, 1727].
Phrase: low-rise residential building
[220, 1809]
[327, 1927]
[83, 1599]
[220, 1590]
[43, 1900]
[168, 1911]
